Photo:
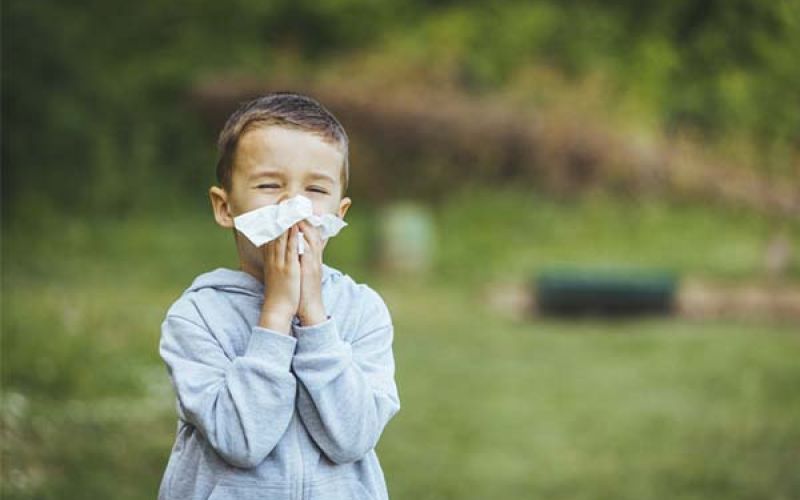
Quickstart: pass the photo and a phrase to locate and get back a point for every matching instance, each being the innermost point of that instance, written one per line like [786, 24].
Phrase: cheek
[323, 205]
[241, 203]
[257, 200]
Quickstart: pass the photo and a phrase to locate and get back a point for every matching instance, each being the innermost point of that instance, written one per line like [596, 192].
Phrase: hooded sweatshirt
[264, 415]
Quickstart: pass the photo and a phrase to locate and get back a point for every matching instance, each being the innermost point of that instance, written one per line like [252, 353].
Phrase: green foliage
[717, 68]
[94, 94]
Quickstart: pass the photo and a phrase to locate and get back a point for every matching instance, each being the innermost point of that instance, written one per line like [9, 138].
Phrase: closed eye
[317, 190]
[273, 185]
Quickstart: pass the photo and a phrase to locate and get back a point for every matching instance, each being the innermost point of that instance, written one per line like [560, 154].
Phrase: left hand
[311, 311]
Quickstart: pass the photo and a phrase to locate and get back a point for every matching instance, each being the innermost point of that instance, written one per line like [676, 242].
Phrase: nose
[289, 192]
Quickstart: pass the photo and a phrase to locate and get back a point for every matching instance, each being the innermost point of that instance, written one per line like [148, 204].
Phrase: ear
[344, 205]
[220, 206]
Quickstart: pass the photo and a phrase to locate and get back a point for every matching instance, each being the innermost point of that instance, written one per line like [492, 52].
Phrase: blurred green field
[491, 407]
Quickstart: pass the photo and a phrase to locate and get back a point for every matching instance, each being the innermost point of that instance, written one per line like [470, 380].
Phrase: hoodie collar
[236, 280]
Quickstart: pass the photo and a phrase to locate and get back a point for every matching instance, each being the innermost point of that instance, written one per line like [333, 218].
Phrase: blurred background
[583, 216]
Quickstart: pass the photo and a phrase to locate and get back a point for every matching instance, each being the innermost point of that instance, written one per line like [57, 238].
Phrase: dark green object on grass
[570, 292]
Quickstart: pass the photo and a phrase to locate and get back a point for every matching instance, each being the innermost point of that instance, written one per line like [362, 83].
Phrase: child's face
[274, 163]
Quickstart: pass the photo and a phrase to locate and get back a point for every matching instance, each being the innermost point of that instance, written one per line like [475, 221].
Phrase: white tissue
[267, 223]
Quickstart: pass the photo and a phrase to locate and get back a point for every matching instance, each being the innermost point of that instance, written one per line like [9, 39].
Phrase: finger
[312, 250]
[309, 228]
[280, 246]
[268, 250]
[292, 251]
[312, 233]
[308, 242]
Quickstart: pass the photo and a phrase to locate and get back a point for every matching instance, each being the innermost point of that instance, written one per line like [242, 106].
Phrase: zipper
[302, 461]
[296, 418]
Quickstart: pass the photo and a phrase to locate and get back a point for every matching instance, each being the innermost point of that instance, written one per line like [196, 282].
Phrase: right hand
[281, 281]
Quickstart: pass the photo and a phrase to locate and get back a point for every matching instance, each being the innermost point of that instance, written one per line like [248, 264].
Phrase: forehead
[286, 151]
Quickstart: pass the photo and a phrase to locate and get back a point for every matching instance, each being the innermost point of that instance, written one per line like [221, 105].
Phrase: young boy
[283, 368]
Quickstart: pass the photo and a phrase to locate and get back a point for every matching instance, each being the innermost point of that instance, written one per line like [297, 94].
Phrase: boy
[283, 368]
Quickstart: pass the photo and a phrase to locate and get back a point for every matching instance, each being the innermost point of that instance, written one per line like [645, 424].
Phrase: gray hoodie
[263, 415]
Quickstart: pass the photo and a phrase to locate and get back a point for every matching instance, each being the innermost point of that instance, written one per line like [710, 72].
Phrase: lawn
[492, 407]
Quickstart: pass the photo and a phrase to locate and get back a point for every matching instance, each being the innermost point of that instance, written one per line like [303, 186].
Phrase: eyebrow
[320, 175]
[279, 173]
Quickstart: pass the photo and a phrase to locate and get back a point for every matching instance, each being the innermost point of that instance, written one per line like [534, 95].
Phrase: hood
[238, 281]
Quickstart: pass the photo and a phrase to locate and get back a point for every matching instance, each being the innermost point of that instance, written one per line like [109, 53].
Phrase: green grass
[491, 407]
[511, 233]
[594, 409]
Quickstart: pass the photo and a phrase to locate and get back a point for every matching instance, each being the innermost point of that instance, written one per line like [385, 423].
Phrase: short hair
[285, 109]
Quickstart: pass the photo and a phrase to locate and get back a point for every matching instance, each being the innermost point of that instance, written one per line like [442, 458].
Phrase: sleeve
[242, 406]
[347, 392]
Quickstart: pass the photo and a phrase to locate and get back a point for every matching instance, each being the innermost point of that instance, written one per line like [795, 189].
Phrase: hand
[281, 282]
[311, 310]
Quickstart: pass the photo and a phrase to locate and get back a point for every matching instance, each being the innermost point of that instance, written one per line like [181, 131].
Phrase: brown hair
[286, 109]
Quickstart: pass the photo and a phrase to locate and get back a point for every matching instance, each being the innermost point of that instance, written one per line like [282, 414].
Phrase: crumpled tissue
[268, 222]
